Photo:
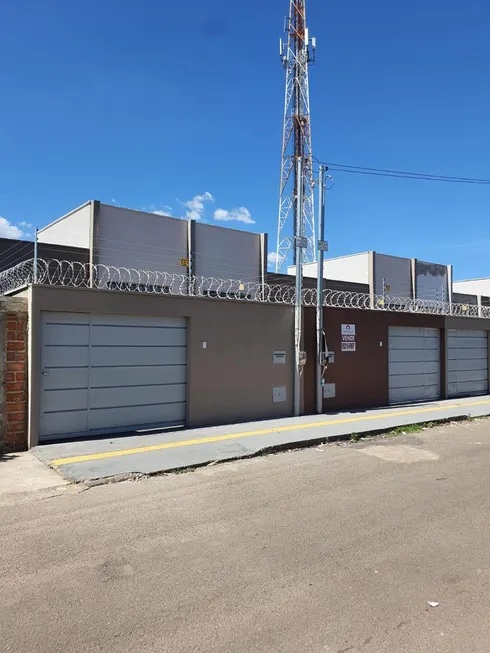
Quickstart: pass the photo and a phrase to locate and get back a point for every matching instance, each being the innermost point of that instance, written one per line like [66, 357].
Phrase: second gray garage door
[414, 364]
[111, 372]
[467, 363]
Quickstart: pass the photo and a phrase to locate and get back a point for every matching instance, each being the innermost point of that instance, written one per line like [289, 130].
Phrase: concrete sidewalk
[21, 473]
[97, 459]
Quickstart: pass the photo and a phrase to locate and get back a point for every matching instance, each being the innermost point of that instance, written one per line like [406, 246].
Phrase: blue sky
[150, 104]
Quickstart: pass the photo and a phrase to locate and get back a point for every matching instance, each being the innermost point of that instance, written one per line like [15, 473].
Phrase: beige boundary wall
[231, 380]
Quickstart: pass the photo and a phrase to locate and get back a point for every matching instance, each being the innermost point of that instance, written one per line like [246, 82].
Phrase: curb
[265, 451]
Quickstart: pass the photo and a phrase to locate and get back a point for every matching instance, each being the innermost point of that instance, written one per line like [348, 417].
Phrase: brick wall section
[14, 399]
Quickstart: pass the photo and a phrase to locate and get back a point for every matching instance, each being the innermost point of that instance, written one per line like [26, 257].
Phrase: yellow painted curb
[248, 434]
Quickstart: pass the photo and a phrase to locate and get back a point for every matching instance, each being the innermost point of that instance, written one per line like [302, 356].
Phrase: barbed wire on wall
[72, 274]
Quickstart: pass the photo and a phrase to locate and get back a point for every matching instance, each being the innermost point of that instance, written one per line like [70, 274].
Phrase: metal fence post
[34, 276]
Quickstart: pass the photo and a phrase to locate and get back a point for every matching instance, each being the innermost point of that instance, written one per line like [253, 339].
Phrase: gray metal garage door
[467, 363]
[111, 372]
[414, 364]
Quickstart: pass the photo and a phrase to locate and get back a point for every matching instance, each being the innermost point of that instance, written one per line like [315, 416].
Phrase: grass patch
[408, 428]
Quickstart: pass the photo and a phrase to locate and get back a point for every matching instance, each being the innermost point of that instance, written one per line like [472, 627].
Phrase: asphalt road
[334, 549]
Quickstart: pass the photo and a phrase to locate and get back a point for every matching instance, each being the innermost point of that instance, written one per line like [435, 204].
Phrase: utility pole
[296, 55]
[298, 303]
[321, 353]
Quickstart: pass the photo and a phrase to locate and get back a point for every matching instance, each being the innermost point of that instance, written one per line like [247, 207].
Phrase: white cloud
[272, 259]
[167, 210]
[195, 207]
[8, 230]
[26, 224]
[235, 215]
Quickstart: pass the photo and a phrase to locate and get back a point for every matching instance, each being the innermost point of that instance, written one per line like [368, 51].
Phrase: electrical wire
[420, 178]
[20, 249]
[58, 249]
[230, 264]
[182, 253]
[19, 243]
[414, 174]
[400, 174]
[151, 261]
[146, 262]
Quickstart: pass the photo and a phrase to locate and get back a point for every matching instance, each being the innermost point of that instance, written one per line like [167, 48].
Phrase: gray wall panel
[227, 254]
[396, 273]
[150, 388]
[137, 417]
[467, 362]
[142, 241]
[431, 281]
[414, 364]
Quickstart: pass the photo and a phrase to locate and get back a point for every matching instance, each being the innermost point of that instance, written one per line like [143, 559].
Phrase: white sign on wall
[279, 357]
[348, 329]
[348, 336]
[329, 391]
[347, 346]
[279, 394]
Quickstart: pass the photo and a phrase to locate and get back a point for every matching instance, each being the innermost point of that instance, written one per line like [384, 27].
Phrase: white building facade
[388, 275]
[136, 240]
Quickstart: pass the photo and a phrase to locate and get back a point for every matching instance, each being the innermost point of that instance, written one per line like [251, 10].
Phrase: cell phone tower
[296, 55]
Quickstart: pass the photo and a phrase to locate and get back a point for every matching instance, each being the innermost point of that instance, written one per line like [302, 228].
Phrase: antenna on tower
[294, 206]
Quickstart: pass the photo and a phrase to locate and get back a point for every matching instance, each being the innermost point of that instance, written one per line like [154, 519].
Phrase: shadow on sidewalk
[414, 405]
[5, 456]
[119, 435]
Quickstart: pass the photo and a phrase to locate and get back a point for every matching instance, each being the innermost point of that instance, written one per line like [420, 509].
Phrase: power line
[19, 250]
[415, 174]
[400, 174]
[420, 178]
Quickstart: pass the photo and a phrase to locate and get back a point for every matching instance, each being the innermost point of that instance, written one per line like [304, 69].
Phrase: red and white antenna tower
[294, 205]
